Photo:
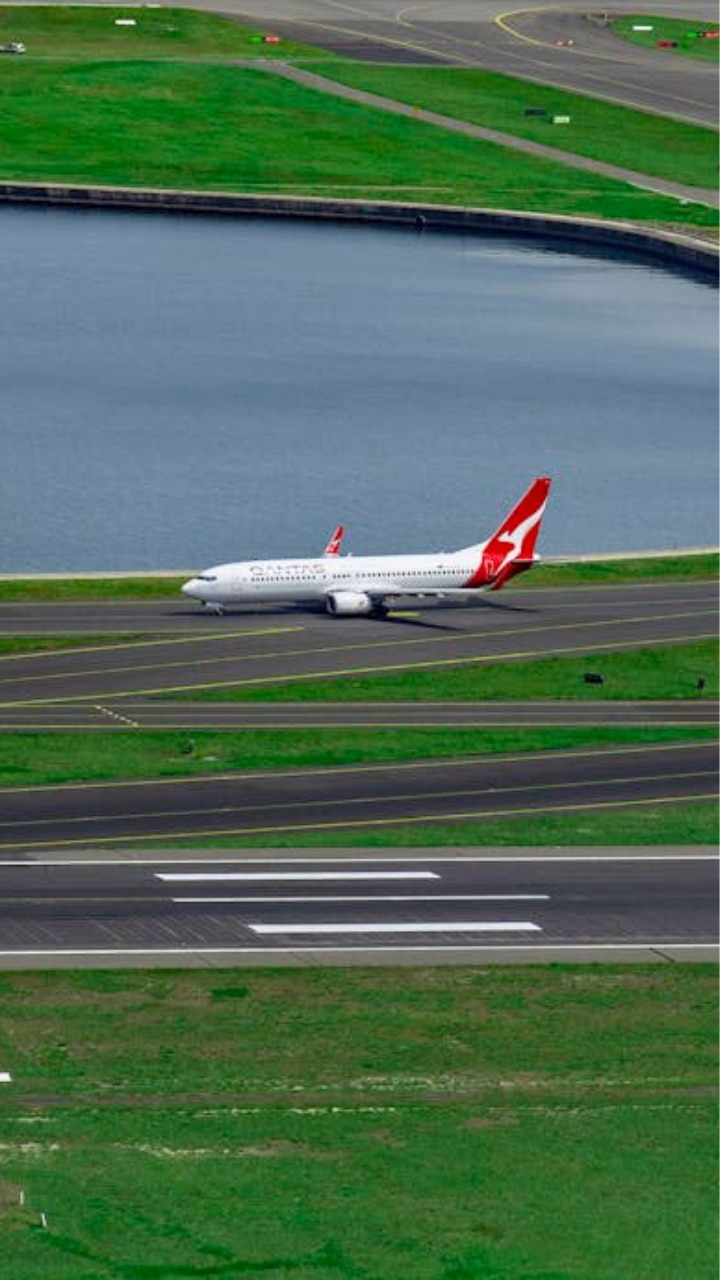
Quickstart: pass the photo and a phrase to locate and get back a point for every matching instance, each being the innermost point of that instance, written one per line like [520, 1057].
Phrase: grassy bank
[157, 124]
[671, 672]
[10, 645]
[601, 130]
[79, 31]
[150, 587]
[32, 759]
[644, 823]
[444, 1124]
[684, 31]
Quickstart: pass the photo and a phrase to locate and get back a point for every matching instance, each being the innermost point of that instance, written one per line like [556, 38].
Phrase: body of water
[180, 391]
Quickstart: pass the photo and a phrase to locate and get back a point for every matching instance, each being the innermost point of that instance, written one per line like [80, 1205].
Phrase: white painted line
[5, 1077]
[510, 856]
[430, 897]
[298, 875]
[199, 950]
[413, 926]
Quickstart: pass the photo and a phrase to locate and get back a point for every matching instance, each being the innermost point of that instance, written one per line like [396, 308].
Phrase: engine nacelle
[345, 604]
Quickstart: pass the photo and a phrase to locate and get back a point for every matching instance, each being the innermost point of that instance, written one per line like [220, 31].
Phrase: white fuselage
[255, 581]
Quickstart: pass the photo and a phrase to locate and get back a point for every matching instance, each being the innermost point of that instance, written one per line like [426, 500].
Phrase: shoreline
[673, 248]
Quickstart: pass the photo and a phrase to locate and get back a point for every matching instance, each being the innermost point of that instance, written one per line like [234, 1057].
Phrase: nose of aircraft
[188, 588]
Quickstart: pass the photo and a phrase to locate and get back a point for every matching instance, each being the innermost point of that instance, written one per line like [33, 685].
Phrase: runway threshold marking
[380, 766]
[408, 898]
[481, 815]
[414, 926]
[295, 875]
[456, 661]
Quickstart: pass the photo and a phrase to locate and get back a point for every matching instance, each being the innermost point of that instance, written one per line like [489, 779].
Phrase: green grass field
[10, 645]
[556, 1122]
[683, 30]
[163, 125]
[598, 572]
[32, 759]
[616, 135]
[79, 31]
[659, 673]
[642, 823]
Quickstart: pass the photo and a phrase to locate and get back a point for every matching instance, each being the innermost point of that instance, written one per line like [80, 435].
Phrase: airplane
[354, 586]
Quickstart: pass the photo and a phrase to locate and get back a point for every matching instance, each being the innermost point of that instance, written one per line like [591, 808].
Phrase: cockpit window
[206, 577]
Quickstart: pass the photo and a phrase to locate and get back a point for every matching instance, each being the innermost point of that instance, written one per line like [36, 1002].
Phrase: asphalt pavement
[557, 44]
[188, 650]
[367, 908]
[193, 716]
[355, 798]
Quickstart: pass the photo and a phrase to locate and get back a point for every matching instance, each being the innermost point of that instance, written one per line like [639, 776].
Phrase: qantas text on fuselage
[357, 585]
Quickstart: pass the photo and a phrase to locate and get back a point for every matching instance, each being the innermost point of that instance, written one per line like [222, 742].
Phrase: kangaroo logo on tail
[511, 549]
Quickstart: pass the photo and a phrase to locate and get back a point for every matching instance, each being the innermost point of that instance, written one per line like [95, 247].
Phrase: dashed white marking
[115, 715]
[405, 926]
[297, 875]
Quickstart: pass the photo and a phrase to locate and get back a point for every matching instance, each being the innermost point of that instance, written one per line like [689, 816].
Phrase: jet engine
[345, 604]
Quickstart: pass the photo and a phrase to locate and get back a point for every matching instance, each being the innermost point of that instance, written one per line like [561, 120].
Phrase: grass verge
[149, 586]
[659, 673]
[684, 32]
[35, 759]
[444, 1124]
[153, 124]
[39, 644]
[617, 135]
[79, 31]
[647, 823]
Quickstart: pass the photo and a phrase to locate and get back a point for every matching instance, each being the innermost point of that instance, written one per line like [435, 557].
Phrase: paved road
[357, 798]
[193, 716]
[369, 908]
[489, 33]
[521, 43]
[189, 650]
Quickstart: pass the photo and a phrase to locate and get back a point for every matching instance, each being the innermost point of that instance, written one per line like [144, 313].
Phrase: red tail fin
[511, 549]
[333, 546]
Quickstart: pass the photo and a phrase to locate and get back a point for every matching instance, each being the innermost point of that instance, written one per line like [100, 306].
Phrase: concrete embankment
[670, 247]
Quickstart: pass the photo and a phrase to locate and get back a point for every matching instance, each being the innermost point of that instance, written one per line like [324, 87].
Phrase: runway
[354, 798]
[361, 909]
[522, 42]
[183, 651]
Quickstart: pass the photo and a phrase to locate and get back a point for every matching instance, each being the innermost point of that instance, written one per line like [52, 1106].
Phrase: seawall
[668, 246]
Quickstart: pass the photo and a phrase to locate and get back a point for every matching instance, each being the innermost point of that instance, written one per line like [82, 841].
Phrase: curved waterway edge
[650, 244]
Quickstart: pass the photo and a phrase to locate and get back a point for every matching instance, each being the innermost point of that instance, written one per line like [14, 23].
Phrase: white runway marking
[448, 926]
[435, 897]
[297, 875]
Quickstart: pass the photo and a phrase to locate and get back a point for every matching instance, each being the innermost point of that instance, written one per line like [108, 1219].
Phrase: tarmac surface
[370, 908]
[191, 716]
[184, 650]
[354, 798]
[531, 43]
[522, 42]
